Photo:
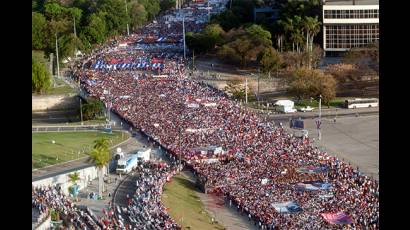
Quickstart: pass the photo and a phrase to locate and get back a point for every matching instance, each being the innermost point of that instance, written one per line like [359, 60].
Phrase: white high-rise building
[349, 24]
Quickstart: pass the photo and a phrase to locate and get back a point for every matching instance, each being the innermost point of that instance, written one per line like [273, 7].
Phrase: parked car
[306, 109]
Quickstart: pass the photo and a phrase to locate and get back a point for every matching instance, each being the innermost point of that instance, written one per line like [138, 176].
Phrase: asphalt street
[352, 139]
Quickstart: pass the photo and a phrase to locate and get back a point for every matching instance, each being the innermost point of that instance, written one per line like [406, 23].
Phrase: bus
[126, 164]
[361, 103]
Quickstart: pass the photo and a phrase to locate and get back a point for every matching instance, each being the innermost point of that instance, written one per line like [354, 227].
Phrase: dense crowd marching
[145, 209]
[260, 162]
[46, 198]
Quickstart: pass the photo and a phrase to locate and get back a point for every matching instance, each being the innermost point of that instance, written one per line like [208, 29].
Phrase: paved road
[353, 139]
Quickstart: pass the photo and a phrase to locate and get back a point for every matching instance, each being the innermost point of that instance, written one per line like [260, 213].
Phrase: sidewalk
[96, 206]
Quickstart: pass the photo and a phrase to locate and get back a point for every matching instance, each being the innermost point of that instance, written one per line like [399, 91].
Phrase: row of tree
[95, 21]
[302, 84]
[247, 44]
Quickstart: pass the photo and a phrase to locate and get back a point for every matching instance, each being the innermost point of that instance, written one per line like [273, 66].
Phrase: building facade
[349, 24]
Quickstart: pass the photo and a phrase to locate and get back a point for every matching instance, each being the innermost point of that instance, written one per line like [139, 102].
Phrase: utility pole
[81, 111]
[193, 59]
[75, 35]
[320, 116]
[58, 64]
[183, 34]
[246, 90]
[126, 11]
[209, 12]
[258, 87]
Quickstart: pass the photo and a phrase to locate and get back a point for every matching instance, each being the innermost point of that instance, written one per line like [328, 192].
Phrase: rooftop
[350, 2]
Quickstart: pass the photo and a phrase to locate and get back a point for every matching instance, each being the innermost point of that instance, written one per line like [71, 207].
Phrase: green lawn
[67, 146]
[185, 206]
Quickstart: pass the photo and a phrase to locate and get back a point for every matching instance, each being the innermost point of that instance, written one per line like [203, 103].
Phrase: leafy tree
[100, 157]
[101, 143]
[167, 5]
[115, 16]
[74, 177]
[205, 41]
[38, 26]
[226, 19]
[229, 54]
[40, 77]
[243, 47]
[92, 109]
[236, 88]
[152, 8]
[245, 44]
[96, 30]
[138, 14]
[270, 60]
[259, 35]
[306, 83]
[68, 44]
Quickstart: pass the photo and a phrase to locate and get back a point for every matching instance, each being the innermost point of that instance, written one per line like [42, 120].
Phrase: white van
[285, 106]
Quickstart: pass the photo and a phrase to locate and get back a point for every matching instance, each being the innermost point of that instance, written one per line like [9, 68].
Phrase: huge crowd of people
[47, 198]
[145, 209]
[260, 164]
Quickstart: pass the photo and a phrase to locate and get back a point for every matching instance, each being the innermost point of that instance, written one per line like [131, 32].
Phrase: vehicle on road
[361, 103]
[306, 109]
[144, 155]
[302, 133]
[126, 164]
[285, 106]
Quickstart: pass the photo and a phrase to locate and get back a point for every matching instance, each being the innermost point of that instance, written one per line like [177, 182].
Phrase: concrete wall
[40, 103]
[86, 174]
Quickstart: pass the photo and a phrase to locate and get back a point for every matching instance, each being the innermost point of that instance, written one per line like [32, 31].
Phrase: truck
[285, 106]
[302, 133]
[126, 164]
[144, 155]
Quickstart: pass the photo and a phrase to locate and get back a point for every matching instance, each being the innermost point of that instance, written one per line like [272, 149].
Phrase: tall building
[349, 24]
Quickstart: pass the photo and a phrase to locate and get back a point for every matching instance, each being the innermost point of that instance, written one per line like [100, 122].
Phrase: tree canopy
[38, 29]
[269, 59]
[95, 22]
[306, 83]
[40, 77]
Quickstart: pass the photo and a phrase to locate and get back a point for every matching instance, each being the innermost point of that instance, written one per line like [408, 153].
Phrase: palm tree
[74, 177]
[103, 143]
[100, 156]
[312, 27]
[298, 32]
[288, 27]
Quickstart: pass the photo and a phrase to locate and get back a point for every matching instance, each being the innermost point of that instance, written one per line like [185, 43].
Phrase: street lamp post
[320, 117]
[81, 112]
[183, 34]
[209, 12]
[126, 11]
[58, 64]
[246, 90]
[75, 35]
